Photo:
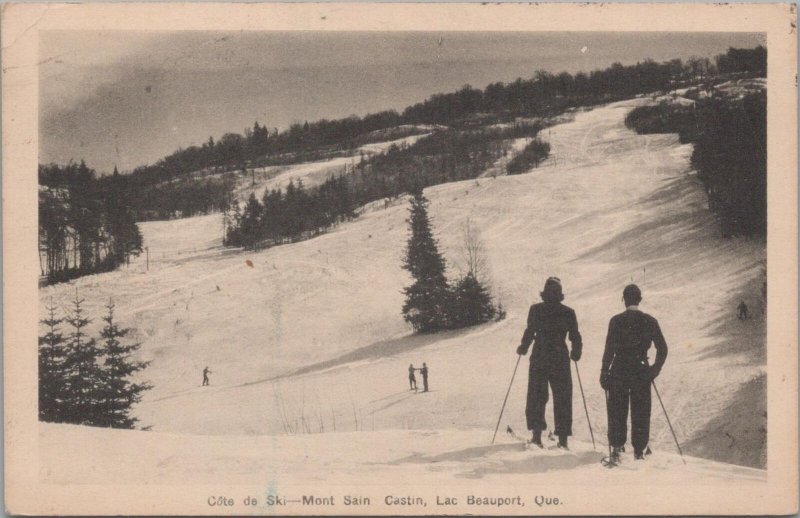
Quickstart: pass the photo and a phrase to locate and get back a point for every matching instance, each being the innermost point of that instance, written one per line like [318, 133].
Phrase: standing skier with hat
[412, 380]
[549, 323]
[626, 375]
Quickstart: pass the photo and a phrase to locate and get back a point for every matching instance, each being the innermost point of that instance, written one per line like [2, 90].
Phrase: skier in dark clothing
[549, 323]
[743, 313]
[206, 372]
[412, 380]
[424, 372]
[626, 375]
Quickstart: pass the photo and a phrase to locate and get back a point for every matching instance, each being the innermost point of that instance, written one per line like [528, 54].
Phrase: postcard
[400, 259]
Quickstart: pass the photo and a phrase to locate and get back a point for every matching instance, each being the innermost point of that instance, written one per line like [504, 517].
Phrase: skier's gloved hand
[521, 350]
[575, 355]
[605, 380]
[654, 372]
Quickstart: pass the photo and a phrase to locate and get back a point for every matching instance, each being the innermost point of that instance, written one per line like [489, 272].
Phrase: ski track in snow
[608, 207]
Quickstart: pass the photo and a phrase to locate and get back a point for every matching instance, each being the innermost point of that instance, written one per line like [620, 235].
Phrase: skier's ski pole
[608, 461]
[519, 357]
[609, 418]
[580, 384]
[670, 424]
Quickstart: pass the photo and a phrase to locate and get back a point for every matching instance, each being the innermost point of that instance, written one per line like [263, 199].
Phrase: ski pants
[633, 392]
[558, 375]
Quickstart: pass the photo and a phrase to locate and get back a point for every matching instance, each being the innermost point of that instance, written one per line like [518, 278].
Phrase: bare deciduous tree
[473, 252]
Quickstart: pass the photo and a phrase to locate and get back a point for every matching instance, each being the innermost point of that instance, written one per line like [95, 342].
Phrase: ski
[609, 462]
[510, 431]
[528, 444]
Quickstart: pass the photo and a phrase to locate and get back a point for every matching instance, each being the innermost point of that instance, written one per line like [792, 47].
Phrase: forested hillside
[298, 213]
[86, 224]
[81, 233]
[729, 133]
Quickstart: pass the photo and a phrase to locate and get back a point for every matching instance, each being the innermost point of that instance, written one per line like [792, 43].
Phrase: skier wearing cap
[424, 372]
[626, 375]
[549, 323]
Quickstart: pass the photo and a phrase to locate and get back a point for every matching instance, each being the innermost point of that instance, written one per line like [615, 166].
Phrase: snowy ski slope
[310, 338]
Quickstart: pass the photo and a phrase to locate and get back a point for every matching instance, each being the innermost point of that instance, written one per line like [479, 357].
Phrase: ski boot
[613, 458]
[616, 453]
[536, 439]
[562, 442]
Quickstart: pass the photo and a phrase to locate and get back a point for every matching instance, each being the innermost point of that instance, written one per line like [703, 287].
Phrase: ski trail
[393, 403]
[149, 301]
[390, 396]
[604, 206]
[498, 168]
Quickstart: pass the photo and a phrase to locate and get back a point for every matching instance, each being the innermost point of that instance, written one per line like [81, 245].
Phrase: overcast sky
[129, 98]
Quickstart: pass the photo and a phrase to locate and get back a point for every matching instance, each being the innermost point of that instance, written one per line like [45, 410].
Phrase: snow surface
[310, 337]
[424, 456]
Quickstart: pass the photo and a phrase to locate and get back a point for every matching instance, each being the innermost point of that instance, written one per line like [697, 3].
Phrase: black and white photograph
[389, 269]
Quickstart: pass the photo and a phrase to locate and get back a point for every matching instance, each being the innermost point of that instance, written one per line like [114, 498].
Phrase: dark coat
[630, 335]
[549, 323]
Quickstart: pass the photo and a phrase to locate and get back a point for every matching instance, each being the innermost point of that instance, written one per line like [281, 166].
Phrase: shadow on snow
[479, 460]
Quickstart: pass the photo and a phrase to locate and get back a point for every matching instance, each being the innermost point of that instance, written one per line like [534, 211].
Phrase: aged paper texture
[287, 259]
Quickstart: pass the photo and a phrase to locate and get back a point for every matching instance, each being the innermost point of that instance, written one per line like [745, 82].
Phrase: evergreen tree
[345, 206]
[83, 374]
[250, 222]
[86, 224]
[52, 370]
[501, 312]
[232, 232]
[118, 392]
[120, 222]
[472, 304]
[426, 302]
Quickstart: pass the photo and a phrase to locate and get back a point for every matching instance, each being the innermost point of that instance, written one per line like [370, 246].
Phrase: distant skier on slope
[743, 313]
[424, 372]
[626, 375]
[549, 323]
[412, 380]
[206, 372]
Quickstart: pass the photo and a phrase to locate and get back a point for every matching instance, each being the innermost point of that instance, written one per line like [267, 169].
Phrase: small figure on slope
[743, 313]
[549, 323]
[206, 372]
[424, 372]
[412, 380]
[626, 376]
